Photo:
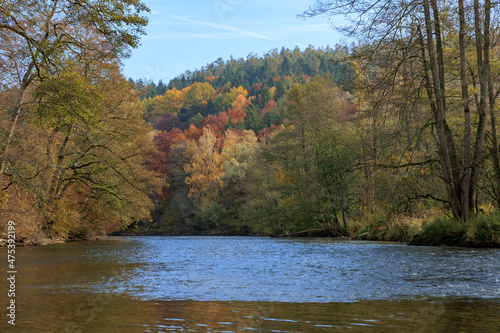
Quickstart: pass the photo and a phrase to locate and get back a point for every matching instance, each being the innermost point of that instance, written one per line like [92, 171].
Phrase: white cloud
[237, 31]
[192, 36]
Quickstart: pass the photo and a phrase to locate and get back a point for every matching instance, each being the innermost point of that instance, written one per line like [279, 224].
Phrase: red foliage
[163, 159]
[237, 115]
[352, 109]
[348, 111]
[264, 136]
[192, 133]
[218, 122]
[163, 142]
[269, 107]
[167, 123]
[256, 87]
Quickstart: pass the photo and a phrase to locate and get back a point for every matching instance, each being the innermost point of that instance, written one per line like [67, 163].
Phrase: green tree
[312, 160]
[88, 175]
[419, 44]
[41, 37]
[96, 156]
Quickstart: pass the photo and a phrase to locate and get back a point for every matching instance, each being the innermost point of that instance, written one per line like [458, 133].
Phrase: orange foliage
[211, 79]
[241, 102]
[239, 107]
[192, 133]
[218, 122]
[237, 115]
[269, 107]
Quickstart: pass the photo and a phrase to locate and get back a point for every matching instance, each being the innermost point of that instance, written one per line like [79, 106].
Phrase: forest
[393, 138]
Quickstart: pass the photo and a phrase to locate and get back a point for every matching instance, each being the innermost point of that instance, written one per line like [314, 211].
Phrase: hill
[255, 69]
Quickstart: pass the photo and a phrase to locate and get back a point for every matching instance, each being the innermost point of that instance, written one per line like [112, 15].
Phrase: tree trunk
[17, 112]
[26, 81]
[494, 146]
[49, 206]
[467, 144]
[444, 142]
[483, 61]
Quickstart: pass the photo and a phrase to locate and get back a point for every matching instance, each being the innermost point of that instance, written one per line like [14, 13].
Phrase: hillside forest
[374, 141]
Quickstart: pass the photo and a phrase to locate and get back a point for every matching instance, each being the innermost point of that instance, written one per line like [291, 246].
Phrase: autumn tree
[95, 153]
[206, 167]
[311, 160]
[168, 104]
[239, 108]
[38, 38]
[419, 43]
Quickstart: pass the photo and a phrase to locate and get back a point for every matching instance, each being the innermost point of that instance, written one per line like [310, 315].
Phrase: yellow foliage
[206, 167]
[236, 145]
[170, 103]
[196, 93]
[241, 103]
[281, 177]
[272, 91]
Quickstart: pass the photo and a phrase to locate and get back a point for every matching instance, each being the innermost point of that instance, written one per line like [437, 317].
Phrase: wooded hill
[192, 96]
[374, 142]
[266, 70]
[212, 122]
[400, 132]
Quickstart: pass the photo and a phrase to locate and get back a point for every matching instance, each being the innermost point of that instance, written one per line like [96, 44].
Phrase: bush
[208, 217]
[482, 230]
[403, 230]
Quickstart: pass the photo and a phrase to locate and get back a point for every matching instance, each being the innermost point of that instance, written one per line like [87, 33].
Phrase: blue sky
[186, 35]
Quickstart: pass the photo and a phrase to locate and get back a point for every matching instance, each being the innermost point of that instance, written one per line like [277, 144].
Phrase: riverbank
[482, 231]
[26, 241]
[42, 241]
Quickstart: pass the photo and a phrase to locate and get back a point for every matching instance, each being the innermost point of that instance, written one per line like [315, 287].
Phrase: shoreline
[23, 242]
[376, 234]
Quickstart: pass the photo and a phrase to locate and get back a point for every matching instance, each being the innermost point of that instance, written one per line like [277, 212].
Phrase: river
[254, 284]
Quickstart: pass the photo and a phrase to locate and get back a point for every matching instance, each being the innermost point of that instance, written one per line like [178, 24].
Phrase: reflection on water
[97, 313]
[254, 284]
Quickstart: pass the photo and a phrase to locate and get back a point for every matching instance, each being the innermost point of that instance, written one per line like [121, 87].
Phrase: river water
[255, 284]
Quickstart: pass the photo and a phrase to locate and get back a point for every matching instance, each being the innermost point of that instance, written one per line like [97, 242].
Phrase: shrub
[403, 230]
[482, 230]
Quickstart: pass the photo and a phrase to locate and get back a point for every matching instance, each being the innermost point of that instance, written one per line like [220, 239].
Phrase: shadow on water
[235, 284]
[105, 313]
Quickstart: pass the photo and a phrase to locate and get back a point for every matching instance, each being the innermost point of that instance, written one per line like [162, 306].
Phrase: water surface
[233, 284]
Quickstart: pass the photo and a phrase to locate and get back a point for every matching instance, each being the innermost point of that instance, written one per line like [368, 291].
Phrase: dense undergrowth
[482, 230]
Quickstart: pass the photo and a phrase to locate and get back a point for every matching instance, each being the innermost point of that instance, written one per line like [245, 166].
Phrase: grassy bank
[481, 231]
